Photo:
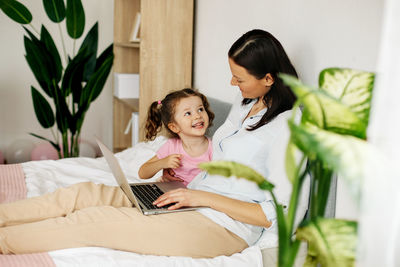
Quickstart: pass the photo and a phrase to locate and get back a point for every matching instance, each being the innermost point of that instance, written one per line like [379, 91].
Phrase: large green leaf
[73, 76]
[16, 11]
[230, 168]
[96, 82]
[351, 87]
[326, 111]
[36, 58]
[55, 10]
[344, 154]
[90, 44]
[63, 115]
[42, 59]
[331, 242]
[75, 18]
[62, 121]
[43, 110]
[55, 58]
[108, 52]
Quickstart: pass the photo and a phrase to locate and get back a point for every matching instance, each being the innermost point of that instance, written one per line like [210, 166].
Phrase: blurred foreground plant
[331, 138]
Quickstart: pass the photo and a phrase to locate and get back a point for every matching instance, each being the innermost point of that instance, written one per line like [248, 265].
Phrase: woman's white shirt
[263, 150]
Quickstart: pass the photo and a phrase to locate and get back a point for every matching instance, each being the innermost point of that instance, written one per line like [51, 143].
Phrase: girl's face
[190, 118]
[249, 86]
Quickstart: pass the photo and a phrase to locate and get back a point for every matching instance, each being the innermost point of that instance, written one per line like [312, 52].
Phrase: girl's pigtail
[153, 122]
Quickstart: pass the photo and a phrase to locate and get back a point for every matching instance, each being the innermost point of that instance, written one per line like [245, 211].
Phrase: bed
[35, 178]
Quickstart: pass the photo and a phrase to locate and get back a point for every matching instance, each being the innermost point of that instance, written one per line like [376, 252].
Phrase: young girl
[186, 116]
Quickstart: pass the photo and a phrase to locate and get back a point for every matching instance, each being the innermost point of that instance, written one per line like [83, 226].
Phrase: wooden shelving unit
[163, 57]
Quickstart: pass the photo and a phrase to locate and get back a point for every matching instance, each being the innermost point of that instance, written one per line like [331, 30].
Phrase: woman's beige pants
[87, 214]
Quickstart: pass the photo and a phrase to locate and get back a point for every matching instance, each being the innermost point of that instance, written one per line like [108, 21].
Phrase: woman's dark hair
[261, 53]
[162, 112]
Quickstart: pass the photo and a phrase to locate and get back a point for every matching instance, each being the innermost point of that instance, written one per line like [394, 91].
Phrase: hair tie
[159, 102]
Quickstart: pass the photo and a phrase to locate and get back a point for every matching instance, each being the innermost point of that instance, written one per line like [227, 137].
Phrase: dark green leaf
[108, 52]
[46, 38]
[73, 76]
[39, 67]
[90, 44]
[75, 18]
[43, 110]
[16, 11]
[55, 10]
[96, 83]
[31, 35]
[56, 146]
[41, 62]
[62, 112]
[331, 242]
[80, 116]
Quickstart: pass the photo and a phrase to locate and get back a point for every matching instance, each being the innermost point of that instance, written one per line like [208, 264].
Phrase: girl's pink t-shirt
[189, 165]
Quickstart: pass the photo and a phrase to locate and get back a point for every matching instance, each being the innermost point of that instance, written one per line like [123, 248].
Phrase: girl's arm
[246, 212]
[154, 165]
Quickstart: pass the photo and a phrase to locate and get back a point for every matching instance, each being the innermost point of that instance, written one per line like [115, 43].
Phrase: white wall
[17, 117]
[315, 33]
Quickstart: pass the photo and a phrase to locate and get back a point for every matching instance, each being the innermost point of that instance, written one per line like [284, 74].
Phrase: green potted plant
[331, 137]
[73, 84]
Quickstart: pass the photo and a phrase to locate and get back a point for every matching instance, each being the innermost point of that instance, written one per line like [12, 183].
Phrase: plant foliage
[331, 136]
[72, 86]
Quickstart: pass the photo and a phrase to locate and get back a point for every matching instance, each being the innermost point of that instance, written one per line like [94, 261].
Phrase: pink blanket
[13, 187]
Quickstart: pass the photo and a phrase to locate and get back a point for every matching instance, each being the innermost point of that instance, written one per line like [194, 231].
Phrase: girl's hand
[182, 198]
[169, 176]
[172, 161]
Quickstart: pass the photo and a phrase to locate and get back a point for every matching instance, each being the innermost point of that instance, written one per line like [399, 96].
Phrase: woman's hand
[246, 212]
[182, 198]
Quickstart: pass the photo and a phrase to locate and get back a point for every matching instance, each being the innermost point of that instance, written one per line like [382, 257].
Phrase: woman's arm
[246, 212]
[154, 165]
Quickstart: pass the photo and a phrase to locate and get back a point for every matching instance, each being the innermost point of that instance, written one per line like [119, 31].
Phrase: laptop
[141, 195]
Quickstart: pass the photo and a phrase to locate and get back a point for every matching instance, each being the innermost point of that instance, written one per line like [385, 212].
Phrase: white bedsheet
[46, 176]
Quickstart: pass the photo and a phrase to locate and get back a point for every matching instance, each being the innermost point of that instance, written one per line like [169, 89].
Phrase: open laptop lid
[118, 173]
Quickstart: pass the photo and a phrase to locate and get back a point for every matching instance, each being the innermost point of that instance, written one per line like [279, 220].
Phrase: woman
[255, 133]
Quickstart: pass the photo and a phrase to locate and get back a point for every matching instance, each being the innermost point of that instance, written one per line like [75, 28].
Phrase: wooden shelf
[162, 57]
[132, 103]
[128, 44]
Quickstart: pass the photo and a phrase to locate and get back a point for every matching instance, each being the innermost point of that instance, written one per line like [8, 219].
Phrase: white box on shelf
[126, 85]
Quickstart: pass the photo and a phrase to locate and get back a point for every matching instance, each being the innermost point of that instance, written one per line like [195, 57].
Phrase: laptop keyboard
[147, 194]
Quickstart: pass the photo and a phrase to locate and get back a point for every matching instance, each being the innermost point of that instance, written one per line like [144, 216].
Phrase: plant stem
[288, 257]
[323, 190]
[73, 49]
[63, 44]
[294, 198]
[315, 170]
[34, 29]
[65, 145]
